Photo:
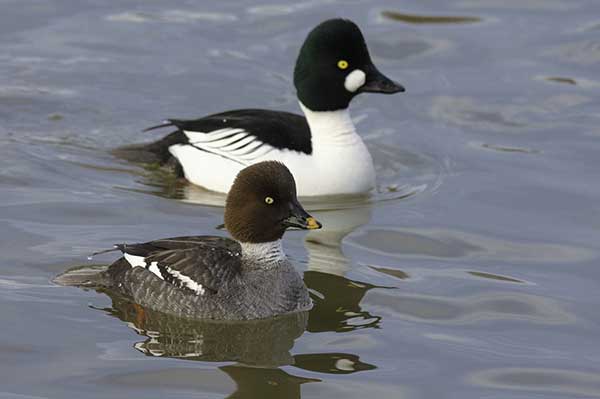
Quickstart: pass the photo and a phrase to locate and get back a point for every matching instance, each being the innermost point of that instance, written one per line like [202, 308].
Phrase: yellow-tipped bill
[312, 223]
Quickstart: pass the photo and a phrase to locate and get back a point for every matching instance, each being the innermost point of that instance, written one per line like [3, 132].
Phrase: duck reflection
[336, 298]
[264, 342]
[337, 303]
[264, 383]
[324, 246]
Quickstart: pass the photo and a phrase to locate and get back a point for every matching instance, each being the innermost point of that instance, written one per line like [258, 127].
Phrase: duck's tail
[156, 152]
[92, 276]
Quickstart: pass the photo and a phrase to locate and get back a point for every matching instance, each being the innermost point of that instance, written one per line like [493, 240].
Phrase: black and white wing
[244, 135]
[198, 265]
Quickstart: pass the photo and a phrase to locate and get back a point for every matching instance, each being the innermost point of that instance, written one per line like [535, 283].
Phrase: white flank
[354, 80]
[187, 281]
[339, 164]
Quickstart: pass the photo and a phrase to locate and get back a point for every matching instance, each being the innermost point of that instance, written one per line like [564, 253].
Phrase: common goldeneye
[322, 149]
[209, 277]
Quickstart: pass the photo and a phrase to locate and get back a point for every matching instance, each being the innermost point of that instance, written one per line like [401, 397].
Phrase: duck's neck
[263, 254]
[330, 127]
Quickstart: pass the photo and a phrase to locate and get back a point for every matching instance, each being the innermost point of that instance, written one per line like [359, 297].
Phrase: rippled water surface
[472, 272]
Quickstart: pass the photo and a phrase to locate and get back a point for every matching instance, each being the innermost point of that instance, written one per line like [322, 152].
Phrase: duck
[321, 147]
[247, 276]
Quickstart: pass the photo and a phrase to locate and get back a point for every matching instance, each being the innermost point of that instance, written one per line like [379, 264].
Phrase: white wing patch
[135, 261]
[235, 144]
[185, 281]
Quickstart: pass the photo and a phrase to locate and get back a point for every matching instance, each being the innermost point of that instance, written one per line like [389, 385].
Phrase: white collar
[263, 253]
[331, 127]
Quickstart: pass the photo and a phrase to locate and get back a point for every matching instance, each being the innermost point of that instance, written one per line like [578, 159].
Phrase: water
[471, 273]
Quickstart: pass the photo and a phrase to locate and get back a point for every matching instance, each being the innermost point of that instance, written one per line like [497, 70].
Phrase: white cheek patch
[354, 80]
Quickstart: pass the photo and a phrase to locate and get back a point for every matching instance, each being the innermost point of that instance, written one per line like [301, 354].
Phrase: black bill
[300, 219]
[376, 82]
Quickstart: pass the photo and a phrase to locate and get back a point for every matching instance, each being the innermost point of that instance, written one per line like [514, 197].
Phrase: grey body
[256, 291]
[208, 277]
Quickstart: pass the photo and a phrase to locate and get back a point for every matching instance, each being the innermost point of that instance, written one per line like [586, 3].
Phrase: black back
[282, 130]
[208, 260]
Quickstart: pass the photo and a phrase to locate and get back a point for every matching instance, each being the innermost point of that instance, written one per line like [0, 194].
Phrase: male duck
[322, 149]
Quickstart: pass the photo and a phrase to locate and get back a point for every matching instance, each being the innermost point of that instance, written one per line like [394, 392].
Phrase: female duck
[215, 277]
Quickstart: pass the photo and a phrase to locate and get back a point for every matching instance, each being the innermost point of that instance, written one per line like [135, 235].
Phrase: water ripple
[563, 381]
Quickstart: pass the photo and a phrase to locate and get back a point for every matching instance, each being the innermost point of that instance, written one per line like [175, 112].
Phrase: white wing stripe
[236, 144]
[247, 149]
[239, 144]
[186, 281]
[259, 152]
[140, 261]
[215, 134]
[154, 269]
[203, 137]
[135, 260]
[224, 142]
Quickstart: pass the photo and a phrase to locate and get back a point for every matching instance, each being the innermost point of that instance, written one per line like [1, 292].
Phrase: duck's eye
[269, 200]
[342, 64]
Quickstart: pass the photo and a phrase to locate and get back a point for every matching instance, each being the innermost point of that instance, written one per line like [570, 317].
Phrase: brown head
[262, 204]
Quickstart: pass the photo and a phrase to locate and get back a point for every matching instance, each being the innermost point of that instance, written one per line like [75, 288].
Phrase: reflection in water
[264, 342]
[391, 272]
[579, 81]
[180, 382]
[504, 148]
[562, 80]
[428, 19]
[336, 299]
[164, 183]
[332, 363]
[324, 245]
[264, 383]
[337, 303]
[496, 277]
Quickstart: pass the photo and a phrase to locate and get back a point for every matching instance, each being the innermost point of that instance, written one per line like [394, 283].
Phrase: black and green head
[334, 65]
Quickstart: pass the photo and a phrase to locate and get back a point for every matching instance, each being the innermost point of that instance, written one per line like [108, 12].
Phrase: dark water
[471, 273]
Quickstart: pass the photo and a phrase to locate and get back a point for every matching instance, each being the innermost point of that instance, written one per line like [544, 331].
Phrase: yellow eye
[342, 64]
[269, 200]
